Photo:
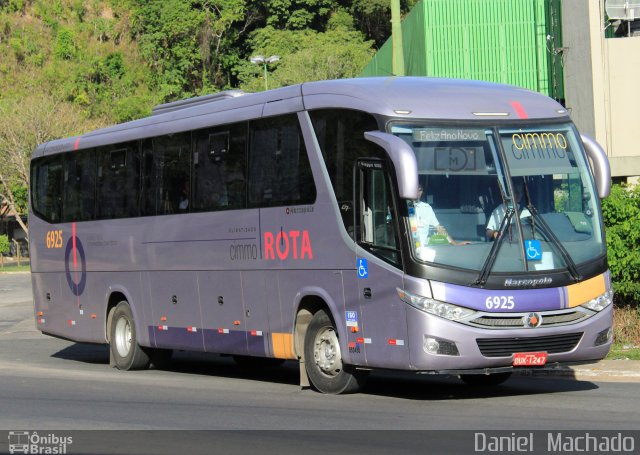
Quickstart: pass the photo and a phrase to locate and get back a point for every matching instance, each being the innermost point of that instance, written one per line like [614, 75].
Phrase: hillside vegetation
[69, 66]
[114, 59]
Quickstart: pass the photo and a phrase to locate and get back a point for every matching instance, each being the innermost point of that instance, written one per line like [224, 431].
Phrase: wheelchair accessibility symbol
[363, 269]
[533, 250]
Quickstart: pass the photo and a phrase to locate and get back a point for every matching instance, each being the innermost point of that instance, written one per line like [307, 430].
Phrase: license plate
[527, 359]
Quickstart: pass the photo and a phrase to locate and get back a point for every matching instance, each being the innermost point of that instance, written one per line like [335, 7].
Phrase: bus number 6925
[54, 239]
[500, 302]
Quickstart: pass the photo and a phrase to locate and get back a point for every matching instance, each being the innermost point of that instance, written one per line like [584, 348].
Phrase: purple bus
[428, 225]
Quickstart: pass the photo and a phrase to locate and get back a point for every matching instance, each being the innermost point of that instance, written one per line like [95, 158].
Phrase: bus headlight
[436, 307]
[601, 302]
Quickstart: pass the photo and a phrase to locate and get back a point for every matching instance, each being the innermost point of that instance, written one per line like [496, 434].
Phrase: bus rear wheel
[323, 359]
[126, 352]
[485, 380]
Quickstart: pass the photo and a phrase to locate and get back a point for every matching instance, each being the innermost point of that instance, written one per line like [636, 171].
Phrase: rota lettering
[285, 245]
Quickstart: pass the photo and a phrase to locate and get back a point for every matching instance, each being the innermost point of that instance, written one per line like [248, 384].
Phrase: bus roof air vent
[191, 102]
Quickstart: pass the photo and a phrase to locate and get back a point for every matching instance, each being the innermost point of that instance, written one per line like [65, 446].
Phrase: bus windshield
[502, 199]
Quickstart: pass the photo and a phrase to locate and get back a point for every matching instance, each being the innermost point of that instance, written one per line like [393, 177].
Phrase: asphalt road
[48, 383]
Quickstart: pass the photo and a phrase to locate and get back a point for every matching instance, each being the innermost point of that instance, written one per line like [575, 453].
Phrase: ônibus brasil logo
[33, 443]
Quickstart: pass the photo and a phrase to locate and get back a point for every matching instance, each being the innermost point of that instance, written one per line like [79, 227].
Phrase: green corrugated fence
[507, 41]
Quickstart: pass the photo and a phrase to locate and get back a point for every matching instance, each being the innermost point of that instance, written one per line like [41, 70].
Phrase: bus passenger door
[382, 328]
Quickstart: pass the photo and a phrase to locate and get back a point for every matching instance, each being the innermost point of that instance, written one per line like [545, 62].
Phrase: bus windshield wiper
[493, 253]
[553, 239]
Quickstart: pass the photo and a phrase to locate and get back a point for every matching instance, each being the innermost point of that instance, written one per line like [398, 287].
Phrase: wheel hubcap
[326, 351]
[123, 337]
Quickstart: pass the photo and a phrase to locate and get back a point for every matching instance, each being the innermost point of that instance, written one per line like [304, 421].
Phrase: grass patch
[626, 333]
[624, 352]
[626, 325]
[15, 268]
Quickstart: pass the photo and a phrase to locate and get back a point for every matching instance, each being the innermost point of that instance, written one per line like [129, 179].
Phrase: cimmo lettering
[287, 245]
[243, 252]
[539, 145]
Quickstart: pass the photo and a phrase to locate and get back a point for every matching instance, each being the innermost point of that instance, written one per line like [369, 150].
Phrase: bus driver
[429, 229]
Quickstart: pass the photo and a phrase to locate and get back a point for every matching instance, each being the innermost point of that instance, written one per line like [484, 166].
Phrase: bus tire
[485, 380]
[323, 359]
[125, 350]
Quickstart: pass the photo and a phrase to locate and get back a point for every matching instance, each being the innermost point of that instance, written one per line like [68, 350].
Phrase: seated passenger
[183, 203]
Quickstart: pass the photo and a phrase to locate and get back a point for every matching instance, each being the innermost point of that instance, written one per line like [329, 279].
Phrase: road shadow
[85, 353]
[412, 386]
[207, 364]
[395, 384]
[192, 363]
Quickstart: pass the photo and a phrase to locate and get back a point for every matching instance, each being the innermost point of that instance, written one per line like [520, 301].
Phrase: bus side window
[79, 185]
[377, 216]
[219, 168]
[340, 134]
[279, 170]
[149, 194]
[175, 150]
[166, 172]
[118, 181]
[47, 188]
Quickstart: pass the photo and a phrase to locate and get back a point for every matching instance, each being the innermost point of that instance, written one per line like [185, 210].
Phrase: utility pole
[396, 36]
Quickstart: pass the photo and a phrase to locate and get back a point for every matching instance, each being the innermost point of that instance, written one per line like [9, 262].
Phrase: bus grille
[505, 347]
[510, 321]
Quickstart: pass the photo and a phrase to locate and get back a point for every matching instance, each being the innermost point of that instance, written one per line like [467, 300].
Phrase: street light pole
[266, 86]
[261, 60]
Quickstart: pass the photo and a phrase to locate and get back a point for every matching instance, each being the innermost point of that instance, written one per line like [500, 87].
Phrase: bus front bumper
[465, 349]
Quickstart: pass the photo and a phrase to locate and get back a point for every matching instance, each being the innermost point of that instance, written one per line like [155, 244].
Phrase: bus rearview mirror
[599, 165]
[403, 159]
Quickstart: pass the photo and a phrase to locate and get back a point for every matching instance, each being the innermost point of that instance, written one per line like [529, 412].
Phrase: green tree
[14, 5]
[299, 14]
[373, 17]
[4, 247]
[27, 122]
[166, 31]
[621, 213]
[224, 29]
[20, 196]
[65, 47]
[306, 56]
[192, 46]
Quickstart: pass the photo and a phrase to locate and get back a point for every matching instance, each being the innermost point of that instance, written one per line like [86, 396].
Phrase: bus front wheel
[323, 358]
[125, 350]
